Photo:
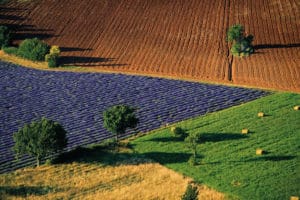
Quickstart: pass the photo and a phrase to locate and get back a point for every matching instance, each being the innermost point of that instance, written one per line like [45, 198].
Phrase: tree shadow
[82, 61]
[168, 158]
[41, 34]
[22, 31]
[106, 155]
[102, 155]
[10, 9]
[65, 60]
[24, 191]
[10, 17]
[257, 159]
[72, 49]
[218, 137]
[81, 154]
[271, 158]
[276, 46]
[167, 139]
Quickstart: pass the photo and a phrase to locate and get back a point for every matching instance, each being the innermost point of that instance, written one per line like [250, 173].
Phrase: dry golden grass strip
[91, 181]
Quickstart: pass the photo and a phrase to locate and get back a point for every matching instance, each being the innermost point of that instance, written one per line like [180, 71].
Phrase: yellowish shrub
[55, 50]
[259, 152]
[245, 131]
[261, 114]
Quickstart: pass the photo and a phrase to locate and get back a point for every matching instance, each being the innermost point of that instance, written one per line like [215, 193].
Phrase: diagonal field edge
[77, 100]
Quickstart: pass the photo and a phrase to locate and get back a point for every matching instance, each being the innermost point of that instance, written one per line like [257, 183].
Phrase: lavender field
[77, 100]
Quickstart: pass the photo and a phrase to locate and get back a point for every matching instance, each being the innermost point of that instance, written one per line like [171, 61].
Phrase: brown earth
[174, 38]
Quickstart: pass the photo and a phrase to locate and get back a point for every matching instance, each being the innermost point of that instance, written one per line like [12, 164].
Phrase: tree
[191, 142]
[53, 57]
[39, 139]
[33, 49]
[242, 44]
[4, 36]
[191, 193]
[117, 119]
[235, 33]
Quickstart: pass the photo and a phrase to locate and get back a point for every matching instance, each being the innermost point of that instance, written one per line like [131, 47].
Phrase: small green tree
[191, 193]
[178, 132]
[4, 36]
[191, 142]
[52, 60]
[241, 44]
[33, 49]
[235, 33]
[53, 57]
[39, 139]
[117, 119]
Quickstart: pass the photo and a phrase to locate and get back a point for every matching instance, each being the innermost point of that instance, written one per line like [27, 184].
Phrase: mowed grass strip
[227, 159]
[95, 172]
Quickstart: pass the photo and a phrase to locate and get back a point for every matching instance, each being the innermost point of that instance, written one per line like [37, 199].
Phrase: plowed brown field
[177, 38]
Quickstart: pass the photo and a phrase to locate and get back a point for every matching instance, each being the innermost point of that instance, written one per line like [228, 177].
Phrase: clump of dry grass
[93, 181]
[260, 114]
[245, 131]
[259, 151]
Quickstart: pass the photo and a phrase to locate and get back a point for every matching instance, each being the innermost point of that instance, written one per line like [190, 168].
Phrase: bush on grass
[33, 49]
[178, 132]
[191, 193]
[52, 58]
[10, 50]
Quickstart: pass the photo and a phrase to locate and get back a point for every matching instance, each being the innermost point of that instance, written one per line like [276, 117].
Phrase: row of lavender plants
[77, 100]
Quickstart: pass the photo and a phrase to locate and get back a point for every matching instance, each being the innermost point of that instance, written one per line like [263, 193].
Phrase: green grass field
[227, 159]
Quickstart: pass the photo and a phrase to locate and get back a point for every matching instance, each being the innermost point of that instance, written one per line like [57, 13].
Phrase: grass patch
[11, 58]
[227, 158]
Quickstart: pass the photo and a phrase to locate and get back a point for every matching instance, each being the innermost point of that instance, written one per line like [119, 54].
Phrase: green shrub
[53, 57]
[10, 50]
[33, 49]
[192, 160]
[48, 162]
[191, 193]
[47, 57]
[178, 132]
[4, 36]
[52, 60]
[192, 141]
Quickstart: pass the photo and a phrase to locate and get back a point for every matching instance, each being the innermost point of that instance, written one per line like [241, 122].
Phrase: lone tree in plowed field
[242, 45]
[118, 118]
[39, 139]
